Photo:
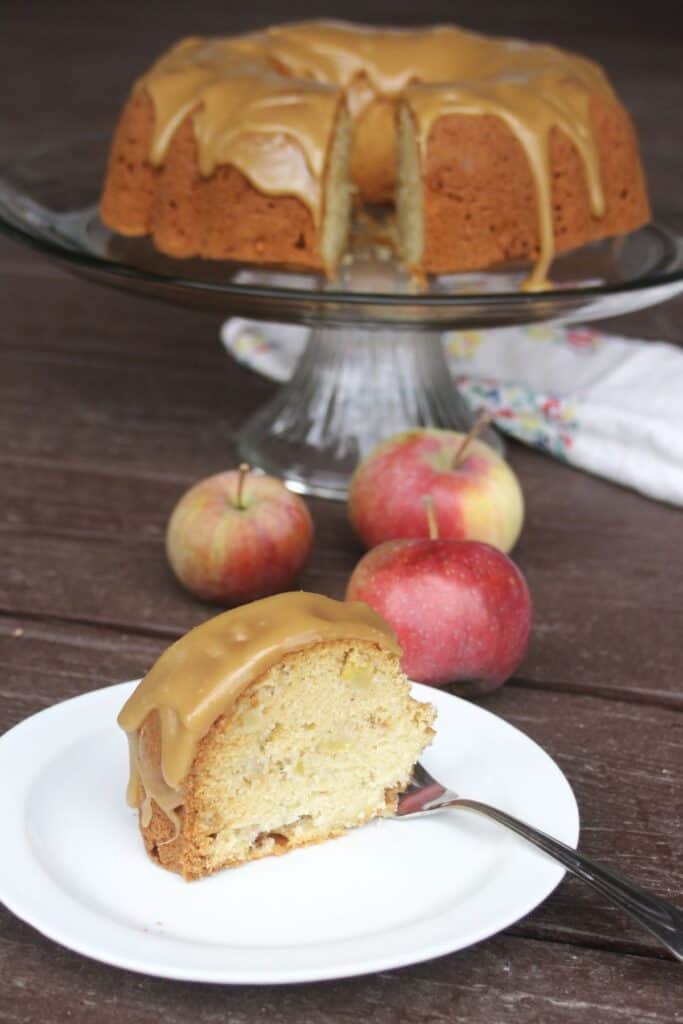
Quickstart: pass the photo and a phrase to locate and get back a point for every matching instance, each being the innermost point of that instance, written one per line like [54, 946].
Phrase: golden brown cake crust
[131, 184]
[219, 217]
[480, 202]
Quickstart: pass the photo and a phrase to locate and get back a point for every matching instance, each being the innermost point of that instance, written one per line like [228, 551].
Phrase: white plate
[388, 894]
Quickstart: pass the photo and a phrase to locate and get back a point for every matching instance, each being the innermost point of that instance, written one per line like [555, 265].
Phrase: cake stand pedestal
[374, 364]
[353, 387]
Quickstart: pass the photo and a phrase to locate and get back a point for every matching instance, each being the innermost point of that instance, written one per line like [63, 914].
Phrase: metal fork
[425, 795]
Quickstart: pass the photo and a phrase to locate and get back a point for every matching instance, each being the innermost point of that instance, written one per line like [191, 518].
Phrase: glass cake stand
[374, 362]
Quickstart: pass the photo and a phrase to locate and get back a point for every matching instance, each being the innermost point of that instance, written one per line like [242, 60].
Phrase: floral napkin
[607, 404]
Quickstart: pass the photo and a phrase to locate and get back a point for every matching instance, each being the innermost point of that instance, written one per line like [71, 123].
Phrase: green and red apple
[238, 536]
[476, 494]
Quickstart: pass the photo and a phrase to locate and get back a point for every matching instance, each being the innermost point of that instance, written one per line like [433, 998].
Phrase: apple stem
[243, 470]
[482, 420]
[428, 502]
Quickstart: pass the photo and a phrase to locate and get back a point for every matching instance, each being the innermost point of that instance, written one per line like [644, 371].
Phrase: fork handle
[663, 919]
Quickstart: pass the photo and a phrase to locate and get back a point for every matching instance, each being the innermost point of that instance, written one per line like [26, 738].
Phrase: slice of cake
[281, 723]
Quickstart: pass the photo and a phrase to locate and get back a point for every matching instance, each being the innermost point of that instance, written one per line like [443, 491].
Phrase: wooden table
[110, 407]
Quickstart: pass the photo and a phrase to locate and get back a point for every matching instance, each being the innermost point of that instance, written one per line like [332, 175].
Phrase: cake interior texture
[409, 193]
[323, 741]
[338, 193]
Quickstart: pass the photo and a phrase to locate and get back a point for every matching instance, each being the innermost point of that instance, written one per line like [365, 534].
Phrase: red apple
[476, 494]
[461, 609]
[237, 536]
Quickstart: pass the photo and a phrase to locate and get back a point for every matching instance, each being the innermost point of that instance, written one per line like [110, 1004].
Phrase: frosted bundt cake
[281, 723]
[248, 148]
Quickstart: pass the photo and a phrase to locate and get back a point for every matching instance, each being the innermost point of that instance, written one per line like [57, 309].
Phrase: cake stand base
[353, 387]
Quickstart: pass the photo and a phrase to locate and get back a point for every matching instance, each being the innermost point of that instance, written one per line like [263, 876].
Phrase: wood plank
[42, 663]
[75, 323]
[607, 601]
[615, 755]
[584, 644]
[502, 981]
[623, 761]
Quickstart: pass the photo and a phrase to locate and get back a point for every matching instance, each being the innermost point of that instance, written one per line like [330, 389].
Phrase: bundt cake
[249, 148]
[283, 722]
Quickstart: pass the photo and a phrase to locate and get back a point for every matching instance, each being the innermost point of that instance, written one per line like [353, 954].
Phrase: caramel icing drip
[531, 103]
[200, 676]
[146, 783]
[267, 102]
[276, 130]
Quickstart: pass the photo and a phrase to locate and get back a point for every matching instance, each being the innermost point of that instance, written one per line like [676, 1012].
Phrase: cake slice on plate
[278, 724]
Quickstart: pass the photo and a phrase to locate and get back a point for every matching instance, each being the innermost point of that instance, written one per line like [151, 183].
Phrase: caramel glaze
[276, 130]
[268, 102]
[199, 678]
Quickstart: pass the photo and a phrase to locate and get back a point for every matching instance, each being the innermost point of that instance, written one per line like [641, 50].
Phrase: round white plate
[388, 894]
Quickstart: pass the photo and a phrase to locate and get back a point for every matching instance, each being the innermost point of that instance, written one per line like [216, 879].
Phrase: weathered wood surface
[505, 981]
[138, 421]
[110, 407]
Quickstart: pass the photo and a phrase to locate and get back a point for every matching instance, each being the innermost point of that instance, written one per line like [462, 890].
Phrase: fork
[425, 796]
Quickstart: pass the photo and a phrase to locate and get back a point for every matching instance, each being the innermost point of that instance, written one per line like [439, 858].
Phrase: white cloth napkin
[607, 404]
